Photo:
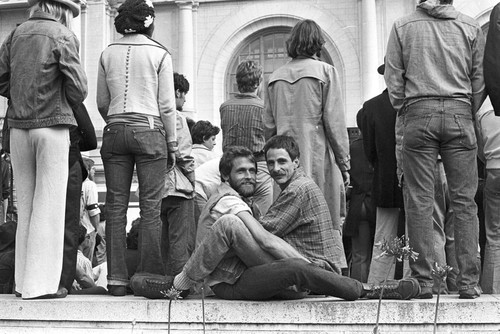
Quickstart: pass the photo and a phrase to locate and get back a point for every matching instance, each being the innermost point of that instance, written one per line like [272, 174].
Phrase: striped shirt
[301, 217]
[242, 122]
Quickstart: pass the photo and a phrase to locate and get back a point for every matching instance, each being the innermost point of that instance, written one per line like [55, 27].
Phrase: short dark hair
[203, 130]
[88, 163]
[306, 39]
[181, 83]
[230, 154]
[285, 142]
[248, 76]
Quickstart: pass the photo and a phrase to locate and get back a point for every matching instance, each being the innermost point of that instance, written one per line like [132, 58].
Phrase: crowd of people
[267, 218]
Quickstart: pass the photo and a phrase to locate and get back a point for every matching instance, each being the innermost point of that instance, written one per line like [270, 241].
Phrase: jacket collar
[434, 9]
[244, 95]
[138, 39]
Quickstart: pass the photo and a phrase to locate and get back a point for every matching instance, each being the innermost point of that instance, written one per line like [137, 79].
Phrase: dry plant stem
[169, 307]
[375, 330]
[437, 307]
[203, 306]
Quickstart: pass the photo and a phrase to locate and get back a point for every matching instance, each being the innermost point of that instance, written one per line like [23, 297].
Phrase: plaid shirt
[242, 122]
[301, 217]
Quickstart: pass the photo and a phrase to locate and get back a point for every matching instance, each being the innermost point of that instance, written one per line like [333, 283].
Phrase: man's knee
[229, 223]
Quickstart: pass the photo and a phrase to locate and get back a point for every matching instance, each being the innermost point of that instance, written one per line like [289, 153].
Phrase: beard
[244, 188]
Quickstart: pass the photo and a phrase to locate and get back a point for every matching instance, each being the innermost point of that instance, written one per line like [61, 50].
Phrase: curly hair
[135, 16]
[248, 76]
[202, 131]
[306, 39]
[181, 83]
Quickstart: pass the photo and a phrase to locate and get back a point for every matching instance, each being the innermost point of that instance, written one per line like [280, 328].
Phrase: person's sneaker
[471, 293]
[405, 289]
[152, 286]
[117, 290]
[425, 293]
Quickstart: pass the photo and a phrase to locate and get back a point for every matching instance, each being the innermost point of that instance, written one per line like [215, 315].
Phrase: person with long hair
[41, 75]
[304, 101]
[135, 96]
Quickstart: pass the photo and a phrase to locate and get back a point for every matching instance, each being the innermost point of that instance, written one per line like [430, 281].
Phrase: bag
[182, 183]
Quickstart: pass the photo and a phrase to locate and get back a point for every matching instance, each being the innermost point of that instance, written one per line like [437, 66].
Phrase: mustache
[274, 174]
[252, 182]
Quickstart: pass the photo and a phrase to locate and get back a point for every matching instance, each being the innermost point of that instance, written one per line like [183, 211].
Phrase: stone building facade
[207, 39]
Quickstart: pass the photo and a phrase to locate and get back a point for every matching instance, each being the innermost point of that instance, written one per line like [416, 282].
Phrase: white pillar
[186, 47]
[369, 49]
[194, 82]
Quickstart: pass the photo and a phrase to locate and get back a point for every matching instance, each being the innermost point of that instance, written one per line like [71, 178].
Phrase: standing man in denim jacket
[434, 75]
[41, 75]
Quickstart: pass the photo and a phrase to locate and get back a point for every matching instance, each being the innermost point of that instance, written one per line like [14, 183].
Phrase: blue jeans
[444, 238]
[255, 274]
[123, 147]
[272, 280]
[178, 232]
[445, 127]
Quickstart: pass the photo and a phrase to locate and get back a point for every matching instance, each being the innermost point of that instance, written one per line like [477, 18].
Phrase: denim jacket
[436, 52]
[41, 74]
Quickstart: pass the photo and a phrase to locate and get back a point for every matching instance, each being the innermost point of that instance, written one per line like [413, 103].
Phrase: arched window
[266, 47]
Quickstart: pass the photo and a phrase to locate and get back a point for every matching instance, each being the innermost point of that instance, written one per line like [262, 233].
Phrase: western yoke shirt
[242, 122]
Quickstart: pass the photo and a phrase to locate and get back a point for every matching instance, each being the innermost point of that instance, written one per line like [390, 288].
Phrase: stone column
[186, 48]
[369, 51]
[194, 83]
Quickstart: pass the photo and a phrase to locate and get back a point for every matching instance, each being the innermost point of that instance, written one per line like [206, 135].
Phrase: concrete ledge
[106, 314]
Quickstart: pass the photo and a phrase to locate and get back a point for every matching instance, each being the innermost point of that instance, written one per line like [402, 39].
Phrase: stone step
[106, 314]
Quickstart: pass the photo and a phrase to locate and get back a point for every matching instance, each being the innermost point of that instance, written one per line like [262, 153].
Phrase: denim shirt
[41, 74]
[436, 52]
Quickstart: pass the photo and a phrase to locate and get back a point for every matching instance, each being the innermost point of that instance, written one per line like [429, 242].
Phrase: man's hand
[270, 243]
[346, 177]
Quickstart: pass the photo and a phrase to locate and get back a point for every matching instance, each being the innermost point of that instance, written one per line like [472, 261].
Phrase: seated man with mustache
[285, 254]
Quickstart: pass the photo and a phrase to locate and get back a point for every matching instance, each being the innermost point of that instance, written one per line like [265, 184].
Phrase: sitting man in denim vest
[285, 254]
